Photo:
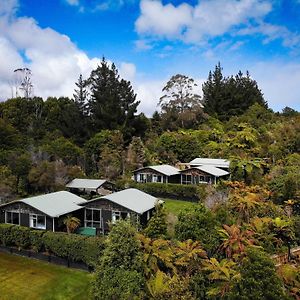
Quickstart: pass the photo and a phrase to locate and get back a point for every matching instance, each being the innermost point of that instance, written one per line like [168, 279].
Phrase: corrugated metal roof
[85, 183]
[212, 170]
[163, 169]
[55, 204]
[133, 199]
[222, 163]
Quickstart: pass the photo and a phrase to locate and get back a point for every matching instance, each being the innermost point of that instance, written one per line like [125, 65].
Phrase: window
[115, 216]
[37, 221]
[12, 217]
[92, 217]
[186, 179]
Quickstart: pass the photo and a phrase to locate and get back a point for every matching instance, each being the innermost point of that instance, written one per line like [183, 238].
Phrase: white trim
[34, 217]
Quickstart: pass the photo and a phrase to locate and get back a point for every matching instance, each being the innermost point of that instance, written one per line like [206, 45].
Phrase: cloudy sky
[151, 40]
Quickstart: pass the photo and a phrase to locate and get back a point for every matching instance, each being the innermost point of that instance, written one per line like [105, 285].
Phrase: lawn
[24, 278]
[176, 206]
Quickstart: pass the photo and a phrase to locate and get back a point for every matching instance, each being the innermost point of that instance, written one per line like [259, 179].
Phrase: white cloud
[54, 59]
[127, 71]
[279, 82]
[73, 2]
[194, 23]
[143, 45]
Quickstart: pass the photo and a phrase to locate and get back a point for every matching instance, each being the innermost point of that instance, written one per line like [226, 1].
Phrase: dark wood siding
[164, 178]
[2, 216]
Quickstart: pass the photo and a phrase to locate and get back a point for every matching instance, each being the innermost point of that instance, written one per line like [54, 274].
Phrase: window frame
[34, 218]
[94, 222]
[11, 212]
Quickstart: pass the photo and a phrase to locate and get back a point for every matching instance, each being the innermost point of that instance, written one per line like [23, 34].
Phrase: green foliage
[258, 279]
[118, 275]
[113, 102]
[20, 236]
[224, 97]
[115, 284]
[199, 224]
[171, 190]
[157, 226]
[5, 234]
[72, 246]
[36, 240]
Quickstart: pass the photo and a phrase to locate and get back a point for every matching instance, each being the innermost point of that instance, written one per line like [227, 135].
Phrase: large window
[12, 217]
[92, 217]
[37, 221]
[186, 179]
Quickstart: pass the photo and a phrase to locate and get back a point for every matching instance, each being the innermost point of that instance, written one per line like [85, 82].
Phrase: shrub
[171, 190]
[36, 240]
[20, 236]
[74, 247]
[5, 234]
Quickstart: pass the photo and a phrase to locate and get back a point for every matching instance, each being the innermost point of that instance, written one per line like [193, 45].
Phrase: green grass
[24, 278]
[173, 208]
[176, 206]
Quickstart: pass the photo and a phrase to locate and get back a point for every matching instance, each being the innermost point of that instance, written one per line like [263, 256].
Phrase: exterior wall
[107, 207]
[196, 176]
[150, 175]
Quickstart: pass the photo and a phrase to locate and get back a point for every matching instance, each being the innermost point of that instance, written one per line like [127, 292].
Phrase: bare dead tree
[22, 82]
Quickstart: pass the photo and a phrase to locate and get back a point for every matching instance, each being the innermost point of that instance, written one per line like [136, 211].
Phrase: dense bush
[20, 236]
[71, 246]
[5, 234]
[171, 190]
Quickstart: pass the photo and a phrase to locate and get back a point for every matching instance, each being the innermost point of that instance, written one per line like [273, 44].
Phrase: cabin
[159, 173]
[212, 162]
[203, 174]
[130, 203]
[45, 212]
[90, 186]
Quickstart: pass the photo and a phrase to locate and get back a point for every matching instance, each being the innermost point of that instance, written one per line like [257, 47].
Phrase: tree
[198, 224]
[157, 226]
[258, 279]
[181, 102]
[235, 240]
[118, 275]
[222, 274]
[136, 156]
[113, 102]
[81, 95]
[224, 97]
[72, 223]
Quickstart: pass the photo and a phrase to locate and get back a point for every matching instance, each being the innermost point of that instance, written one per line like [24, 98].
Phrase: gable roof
[163, 169]
[78, 183]
[53, 204]
[132, 199]
[221, 163]
[210, 170]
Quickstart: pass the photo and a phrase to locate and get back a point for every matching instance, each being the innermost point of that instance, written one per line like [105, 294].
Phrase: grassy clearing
[176, 206]
[24, 278]
[173, 209]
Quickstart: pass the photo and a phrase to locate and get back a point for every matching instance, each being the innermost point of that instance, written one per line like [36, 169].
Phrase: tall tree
[81, 95]
[180, 102]
[224, 97]
[113, 102]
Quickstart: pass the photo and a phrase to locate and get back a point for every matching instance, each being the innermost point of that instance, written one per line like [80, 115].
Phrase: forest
[218, 249]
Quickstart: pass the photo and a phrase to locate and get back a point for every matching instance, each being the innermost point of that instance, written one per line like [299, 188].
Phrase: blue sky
[151, 40]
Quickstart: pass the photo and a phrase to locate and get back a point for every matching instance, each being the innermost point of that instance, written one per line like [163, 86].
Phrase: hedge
[74, 247]
[170, 190]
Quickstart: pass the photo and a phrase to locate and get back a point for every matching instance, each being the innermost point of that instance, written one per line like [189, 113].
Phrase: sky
[150, 41]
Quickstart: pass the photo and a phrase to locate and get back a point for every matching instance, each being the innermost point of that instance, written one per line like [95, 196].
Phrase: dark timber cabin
[43, 212]
[90, 186]
[129, 203]
[159, 173]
